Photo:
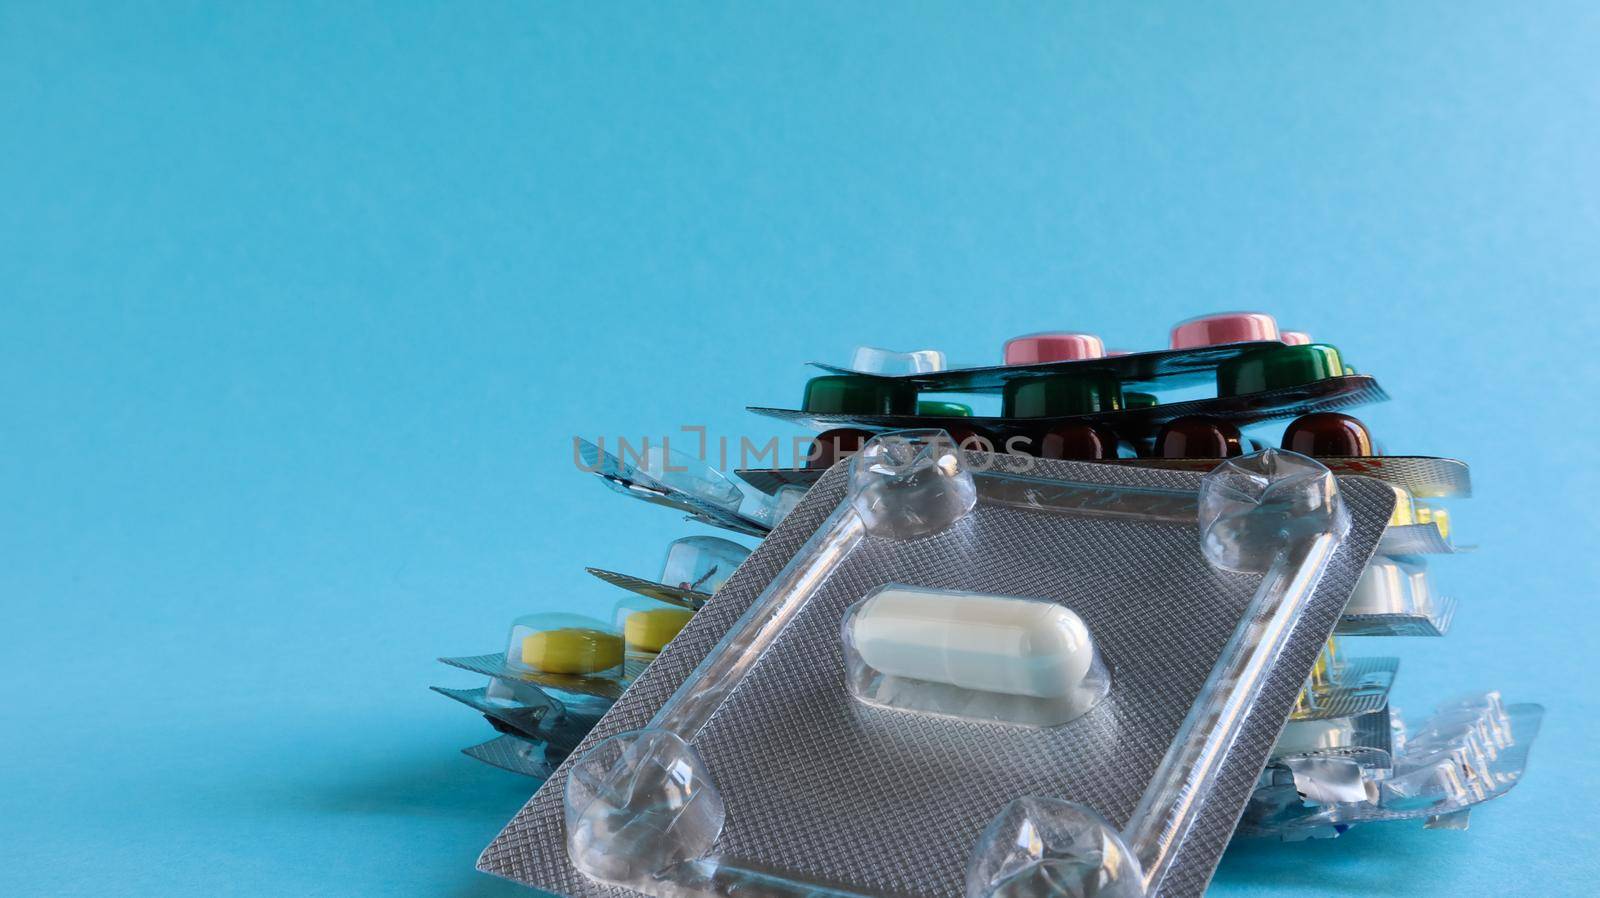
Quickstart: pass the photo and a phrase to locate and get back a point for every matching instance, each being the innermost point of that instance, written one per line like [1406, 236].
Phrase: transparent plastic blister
[872, 360]
[1396, 597]
[1001, 659]
[1470, 751]
[754, 756]
[517, 755]
[550, 722]
[567, 657]
[695, 567]
[1367, 735]
[664, 476]
[1345, 687]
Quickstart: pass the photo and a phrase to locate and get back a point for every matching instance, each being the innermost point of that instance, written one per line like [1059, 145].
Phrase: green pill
[1277, 368]
[853, 394]
[943, 409]
[1138, 400]
[1050, 395]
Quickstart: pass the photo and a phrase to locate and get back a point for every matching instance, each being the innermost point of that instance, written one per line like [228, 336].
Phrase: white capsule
[984, 643]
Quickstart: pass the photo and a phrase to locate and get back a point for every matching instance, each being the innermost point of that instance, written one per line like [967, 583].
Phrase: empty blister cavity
[664, 476]
[638, 806]
[1050, 848]
[701, 563]
[784, 499]
[910, 484]
[696, 567]
[1470, 751]
[1251, 506]
[872, 360]
[685, 473]
[517, 755]
[982, 657]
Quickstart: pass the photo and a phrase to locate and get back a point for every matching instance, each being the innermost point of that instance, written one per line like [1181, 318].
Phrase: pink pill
[1295, 338]
[1033, 349]
[1224, 327]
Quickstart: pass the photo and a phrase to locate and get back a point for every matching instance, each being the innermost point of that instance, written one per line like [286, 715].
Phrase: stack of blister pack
[1067, 649]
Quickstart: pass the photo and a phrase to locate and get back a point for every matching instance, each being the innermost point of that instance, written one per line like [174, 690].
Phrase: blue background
[302, 304]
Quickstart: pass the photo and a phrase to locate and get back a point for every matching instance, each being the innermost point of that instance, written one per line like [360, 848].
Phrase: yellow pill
[1438, 517]
[574, 650]
[1404, 508]
[650, 631]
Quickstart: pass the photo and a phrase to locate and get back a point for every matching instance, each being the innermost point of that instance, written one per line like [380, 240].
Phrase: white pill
[981, 642]
[1389, 587]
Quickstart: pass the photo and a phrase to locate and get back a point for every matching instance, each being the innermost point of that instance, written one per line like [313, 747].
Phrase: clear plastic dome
[701, 563]
[569, 644]
[647, 625]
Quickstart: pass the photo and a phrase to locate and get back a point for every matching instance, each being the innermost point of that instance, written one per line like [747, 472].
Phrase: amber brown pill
[832, 445]
[1196, 436]
[1077, 441]
[1328, 434]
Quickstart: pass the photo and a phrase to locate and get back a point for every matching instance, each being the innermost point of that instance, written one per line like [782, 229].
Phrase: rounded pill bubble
[650, 631]
[1088, 442]
[1328, 435]
[1222, 328]
[1056, 346]
[943, 409]
[1278, 368]
[1050, 395]
[855, 394]
[571, 650]
[979, 642]
[1196, 436]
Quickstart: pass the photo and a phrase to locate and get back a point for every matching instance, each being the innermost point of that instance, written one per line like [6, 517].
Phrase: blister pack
[1471, 750]
[1069, 382]
[696, 567]
[942, 677]
[660, 475]
[560, 671]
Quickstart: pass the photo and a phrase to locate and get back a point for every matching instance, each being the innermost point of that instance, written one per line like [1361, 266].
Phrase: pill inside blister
[563, 644]
[1055, 346]
[990, 657]
[1224, 327]
[988, 643]
[1435, 515]
[651, 630]
[1390, 586]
